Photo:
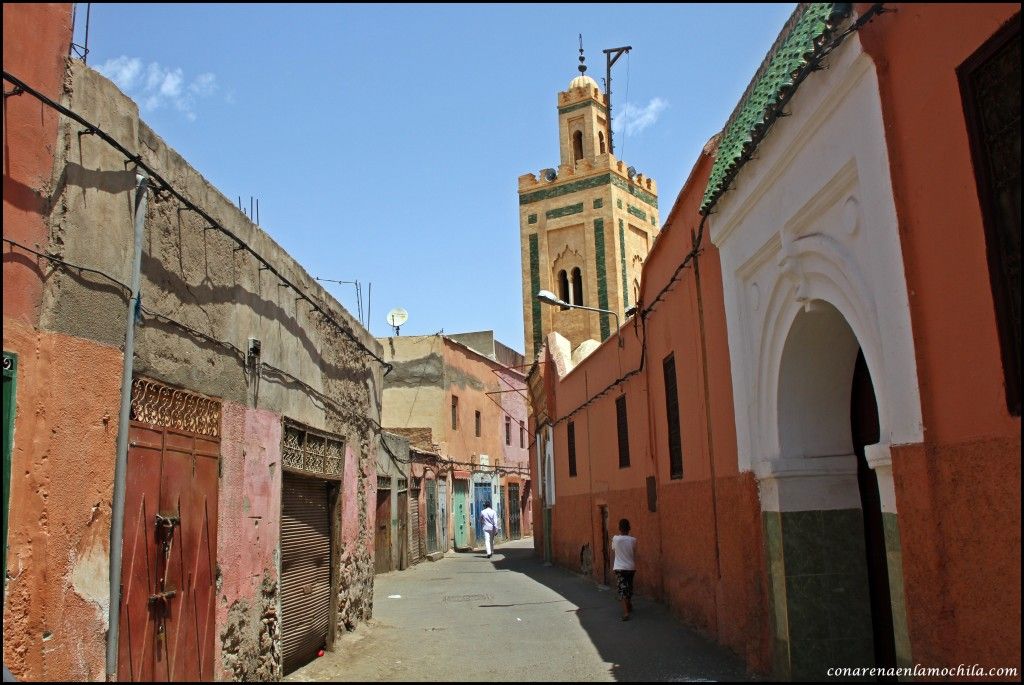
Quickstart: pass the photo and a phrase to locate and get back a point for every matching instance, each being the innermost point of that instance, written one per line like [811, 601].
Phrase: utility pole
[612, 56]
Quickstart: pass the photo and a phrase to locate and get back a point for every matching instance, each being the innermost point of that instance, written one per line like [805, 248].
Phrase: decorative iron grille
[162, 405]
[383, 482]
[403, 484]
[313, 452]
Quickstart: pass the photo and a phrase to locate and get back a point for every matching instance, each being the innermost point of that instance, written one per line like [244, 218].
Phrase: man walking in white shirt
[624, 549]
[490, 520]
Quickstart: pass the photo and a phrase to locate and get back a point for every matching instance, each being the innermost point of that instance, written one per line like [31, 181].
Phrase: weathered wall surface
[202, 300]
[961, 561]
[57, 599]
[37, 38]
[248, 640]
[414, 390]
[55, 606]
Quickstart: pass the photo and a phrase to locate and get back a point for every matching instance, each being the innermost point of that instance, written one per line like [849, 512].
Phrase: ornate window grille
[312, 451]
[161, 405]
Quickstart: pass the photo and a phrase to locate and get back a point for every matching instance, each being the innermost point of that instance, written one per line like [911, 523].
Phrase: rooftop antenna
[396, 317]
[612, 55]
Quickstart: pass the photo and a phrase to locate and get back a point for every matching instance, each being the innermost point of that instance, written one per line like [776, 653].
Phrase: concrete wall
[700, 549]
[961, 561]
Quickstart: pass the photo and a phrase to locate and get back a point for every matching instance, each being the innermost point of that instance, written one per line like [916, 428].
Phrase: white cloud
[157, 86]
[632, 119]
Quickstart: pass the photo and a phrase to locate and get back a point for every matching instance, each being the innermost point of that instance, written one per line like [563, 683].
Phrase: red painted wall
[62, 475]
[958, 494]
[37, 38]
[701, 551]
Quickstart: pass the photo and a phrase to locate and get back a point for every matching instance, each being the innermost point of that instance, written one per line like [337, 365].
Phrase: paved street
[510, 618]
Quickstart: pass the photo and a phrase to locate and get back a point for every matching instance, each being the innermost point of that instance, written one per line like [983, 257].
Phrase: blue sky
[385, 141]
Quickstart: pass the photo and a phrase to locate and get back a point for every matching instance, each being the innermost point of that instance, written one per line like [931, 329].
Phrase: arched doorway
[828, 565]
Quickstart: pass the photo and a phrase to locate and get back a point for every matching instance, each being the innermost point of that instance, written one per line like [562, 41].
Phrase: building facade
[249, 419]
[585, 227]
[464, 412]
[814, 403]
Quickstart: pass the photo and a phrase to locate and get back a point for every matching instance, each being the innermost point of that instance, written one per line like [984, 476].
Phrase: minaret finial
[583, 60]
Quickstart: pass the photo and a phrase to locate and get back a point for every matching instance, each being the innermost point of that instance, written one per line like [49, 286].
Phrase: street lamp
[548, 297]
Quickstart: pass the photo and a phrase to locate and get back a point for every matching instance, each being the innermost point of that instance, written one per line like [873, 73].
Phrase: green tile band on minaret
[538, 335]
[602, 278]
[622, 259]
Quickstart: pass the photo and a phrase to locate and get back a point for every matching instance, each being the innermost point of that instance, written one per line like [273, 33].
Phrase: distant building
[585, 227]
[461, 402]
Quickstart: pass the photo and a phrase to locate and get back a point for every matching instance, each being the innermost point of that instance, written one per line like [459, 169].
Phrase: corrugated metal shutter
[414, 531]
[305, 569]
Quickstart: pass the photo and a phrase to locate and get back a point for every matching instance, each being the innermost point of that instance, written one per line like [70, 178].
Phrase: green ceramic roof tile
[807, 31]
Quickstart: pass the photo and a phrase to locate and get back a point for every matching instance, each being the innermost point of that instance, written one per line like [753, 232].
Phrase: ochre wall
[65, 431]
[701, 552]
[37, 38]
[958, 494]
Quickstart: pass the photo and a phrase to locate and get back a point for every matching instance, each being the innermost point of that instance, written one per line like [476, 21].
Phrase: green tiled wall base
[894, 559]
[821, 606]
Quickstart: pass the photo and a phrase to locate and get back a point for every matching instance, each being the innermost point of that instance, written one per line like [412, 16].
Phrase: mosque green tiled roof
[803, 37]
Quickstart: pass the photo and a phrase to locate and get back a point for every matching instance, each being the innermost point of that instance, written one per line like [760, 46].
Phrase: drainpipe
[121, 465]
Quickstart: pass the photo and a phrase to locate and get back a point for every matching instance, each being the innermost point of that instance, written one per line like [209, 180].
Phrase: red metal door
[170, 537]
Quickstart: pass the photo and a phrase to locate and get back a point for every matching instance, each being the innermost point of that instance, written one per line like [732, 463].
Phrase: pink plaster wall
[350, 505]
[249, 512]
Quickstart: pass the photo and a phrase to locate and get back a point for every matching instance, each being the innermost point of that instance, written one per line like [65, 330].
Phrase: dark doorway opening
[865, 431]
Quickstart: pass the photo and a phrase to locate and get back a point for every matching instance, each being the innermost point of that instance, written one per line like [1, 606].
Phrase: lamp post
[548, 297]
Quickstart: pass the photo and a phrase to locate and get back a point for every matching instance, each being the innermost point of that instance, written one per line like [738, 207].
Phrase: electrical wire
[162, 185]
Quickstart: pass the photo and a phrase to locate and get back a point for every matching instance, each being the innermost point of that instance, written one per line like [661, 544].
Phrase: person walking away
[624, 550]
[490, 520]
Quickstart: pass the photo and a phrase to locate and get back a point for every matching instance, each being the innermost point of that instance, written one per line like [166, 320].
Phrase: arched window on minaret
[600, 141]
[563, 287]
[577, 286]
[577, 146]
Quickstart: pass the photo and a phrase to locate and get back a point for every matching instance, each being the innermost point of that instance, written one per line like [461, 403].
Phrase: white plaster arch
[812, 220]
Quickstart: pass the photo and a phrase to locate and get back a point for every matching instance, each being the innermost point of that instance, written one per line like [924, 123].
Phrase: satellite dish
[631, 171]
[549, 174]
[397, 317]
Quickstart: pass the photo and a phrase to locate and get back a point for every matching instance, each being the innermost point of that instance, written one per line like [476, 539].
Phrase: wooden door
[170, 536]
[514, 526]
[403, 530]
[382, 542]
[431, 516]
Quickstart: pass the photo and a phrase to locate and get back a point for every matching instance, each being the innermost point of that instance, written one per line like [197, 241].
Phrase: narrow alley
[510, 618]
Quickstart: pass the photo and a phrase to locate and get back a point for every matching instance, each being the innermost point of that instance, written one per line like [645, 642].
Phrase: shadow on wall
[654, 646]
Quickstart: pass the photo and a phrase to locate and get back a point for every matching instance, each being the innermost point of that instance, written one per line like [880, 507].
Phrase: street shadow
[652, 646]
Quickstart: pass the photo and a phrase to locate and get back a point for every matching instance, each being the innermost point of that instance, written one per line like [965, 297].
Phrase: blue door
[481, 496]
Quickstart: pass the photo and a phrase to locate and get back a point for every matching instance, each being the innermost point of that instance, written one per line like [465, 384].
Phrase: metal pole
[121, 463]
[612, 55]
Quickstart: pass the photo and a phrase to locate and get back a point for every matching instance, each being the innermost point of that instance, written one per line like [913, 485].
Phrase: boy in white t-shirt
[624, 549]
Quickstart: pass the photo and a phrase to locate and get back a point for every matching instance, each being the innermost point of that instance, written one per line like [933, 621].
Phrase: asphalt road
[510, 618]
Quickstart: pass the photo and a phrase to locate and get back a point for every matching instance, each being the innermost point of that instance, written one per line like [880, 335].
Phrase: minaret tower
[585, 227]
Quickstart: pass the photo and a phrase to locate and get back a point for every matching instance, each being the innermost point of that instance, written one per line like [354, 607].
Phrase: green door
[460, 515]
[10, 369]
